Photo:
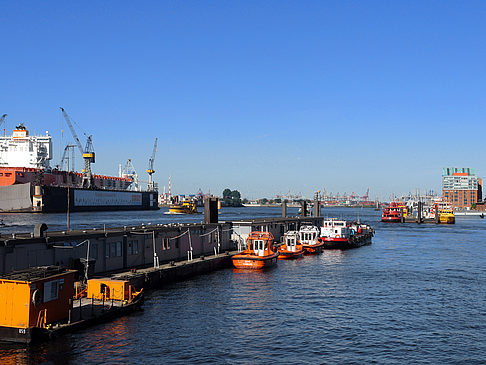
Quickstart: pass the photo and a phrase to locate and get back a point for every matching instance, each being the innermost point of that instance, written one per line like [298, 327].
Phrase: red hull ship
[339, 234]
[29, 184]
[392, 213]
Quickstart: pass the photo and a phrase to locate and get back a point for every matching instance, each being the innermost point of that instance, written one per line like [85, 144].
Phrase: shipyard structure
[29, 184]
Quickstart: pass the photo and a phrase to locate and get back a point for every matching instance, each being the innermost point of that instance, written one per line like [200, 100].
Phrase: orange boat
[311, 240]
[291, 247]
[259, 253]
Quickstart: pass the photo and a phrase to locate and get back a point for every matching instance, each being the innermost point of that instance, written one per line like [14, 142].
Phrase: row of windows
[113, 249]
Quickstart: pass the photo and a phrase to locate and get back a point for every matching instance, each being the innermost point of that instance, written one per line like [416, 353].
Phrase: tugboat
[446, 216]
[393, 213]
[343, 235]
[310, 239]
[184, 207]
[259, 253]
[291, 248]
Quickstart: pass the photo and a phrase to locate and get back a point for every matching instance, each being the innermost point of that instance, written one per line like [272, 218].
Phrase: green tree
[226, 193]
[231, 198]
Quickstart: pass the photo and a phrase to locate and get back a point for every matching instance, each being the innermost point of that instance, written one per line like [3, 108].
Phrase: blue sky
[261, 96]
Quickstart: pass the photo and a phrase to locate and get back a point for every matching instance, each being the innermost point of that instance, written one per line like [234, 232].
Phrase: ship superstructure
[23, 150]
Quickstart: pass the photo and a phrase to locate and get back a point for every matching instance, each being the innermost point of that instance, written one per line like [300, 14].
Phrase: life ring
[36, 297]
[338, 236]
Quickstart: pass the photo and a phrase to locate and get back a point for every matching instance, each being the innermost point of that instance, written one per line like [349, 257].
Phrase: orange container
[111, 289]
[25, 294]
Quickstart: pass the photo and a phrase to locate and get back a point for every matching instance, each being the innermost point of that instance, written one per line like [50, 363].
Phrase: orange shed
[33, 298]
[111, 289]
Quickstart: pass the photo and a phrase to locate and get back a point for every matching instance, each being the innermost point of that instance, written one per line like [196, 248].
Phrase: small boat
[443, 209]
[446, 216]
[184, 207]
[259, 253]
[393, 213]
[343, 235]
[291, 247]
[310, 239]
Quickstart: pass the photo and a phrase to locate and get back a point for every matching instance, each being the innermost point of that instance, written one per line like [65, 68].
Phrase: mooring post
[210, 210]
[419, 212]
[303, 208]
[284, 209]
[317, 208]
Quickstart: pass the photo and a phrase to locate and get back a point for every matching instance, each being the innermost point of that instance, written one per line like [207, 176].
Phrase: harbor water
[416, 295]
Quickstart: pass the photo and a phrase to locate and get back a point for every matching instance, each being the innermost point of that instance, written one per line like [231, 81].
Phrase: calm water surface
[416, 295]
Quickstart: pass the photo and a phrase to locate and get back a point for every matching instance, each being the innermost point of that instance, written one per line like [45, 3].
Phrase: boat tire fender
[36, 297]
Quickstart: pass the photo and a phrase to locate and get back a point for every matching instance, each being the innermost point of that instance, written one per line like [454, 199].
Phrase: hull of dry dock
[53, 199]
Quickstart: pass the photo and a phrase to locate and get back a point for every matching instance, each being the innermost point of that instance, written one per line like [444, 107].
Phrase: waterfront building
[461, 187]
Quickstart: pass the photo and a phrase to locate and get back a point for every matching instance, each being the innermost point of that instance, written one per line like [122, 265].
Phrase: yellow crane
[87, 153]
[151, 186]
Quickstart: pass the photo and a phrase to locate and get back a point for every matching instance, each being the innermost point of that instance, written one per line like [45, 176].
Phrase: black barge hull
[54, 199]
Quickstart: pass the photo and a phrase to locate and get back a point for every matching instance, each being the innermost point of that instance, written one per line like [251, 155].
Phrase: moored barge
[41, 303]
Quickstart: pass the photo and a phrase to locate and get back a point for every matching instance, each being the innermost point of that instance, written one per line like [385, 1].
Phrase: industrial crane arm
[73, 132]
[2, 118]
[152, 158]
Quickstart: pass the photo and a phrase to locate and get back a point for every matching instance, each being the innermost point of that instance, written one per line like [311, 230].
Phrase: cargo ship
[29, 184]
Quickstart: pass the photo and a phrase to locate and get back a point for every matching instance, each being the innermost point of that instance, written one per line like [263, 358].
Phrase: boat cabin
[109, 289]
[35, 297]
[309, 235]
[291, 240]
[333, 228]
[260, 243]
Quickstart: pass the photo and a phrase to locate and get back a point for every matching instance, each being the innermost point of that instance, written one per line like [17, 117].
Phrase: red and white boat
[393, 213]
[310, 239]
[343, 235]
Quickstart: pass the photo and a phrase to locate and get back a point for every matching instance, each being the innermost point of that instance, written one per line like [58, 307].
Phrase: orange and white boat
[310, 239]
[291, 247]
[259, 253]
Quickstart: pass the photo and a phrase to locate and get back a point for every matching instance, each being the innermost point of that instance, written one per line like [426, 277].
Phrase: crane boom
[73, 132]
[88, 153]
[150, 170]
[2, 118]
[152, 158]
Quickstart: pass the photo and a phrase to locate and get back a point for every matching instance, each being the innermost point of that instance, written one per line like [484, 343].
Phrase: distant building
[461, 187]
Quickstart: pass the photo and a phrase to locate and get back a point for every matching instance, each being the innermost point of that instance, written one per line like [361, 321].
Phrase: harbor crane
[87, 153]
[130, 173]
[150, 170]
[65, 157]
[2, 119]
